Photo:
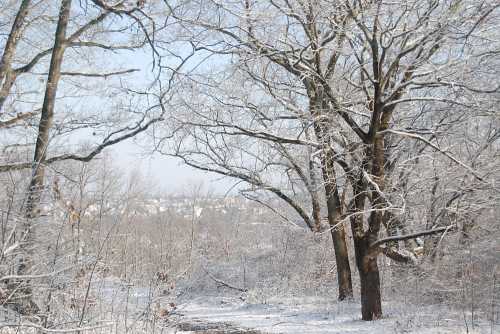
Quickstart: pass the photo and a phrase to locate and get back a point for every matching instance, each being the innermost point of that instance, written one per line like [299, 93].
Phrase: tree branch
[394, 255]
[17, 118]
[410, 236]
[448, 155]
[96, 75]
[84, 158]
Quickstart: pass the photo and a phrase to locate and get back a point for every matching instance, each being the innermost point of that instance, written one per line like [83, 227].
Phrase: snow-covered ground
[303, 315]
[313, 315]
[223, 315]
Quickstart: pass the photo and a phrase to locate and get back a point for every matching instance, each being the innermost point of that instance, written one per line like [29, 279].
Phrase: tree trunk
[13, 38]
[371, 306]
[318, 108]
[366, 261]
[47, 114]
[344, 278]
[25, 304]
[6, 74]
[342, 260]
[366, 258]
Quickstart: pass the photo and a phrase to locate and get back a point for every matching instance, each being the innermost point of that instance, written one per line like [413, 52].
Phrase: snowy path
[311, 315]
[315, 316]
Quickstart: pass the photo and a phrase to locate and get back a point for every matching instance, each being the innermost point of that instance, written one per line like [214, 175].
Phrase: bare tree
[299, 88]
[77, 28]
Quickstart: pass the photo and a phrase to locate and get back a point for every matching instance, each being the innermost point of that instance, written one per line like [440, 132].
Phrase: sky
[169, 174]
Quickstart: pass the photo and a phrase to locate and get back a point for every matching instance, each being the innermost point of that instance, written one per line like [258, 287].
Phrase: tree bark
[13, 38]
[26, 304]
[371, 306]
[318, 106]
[366, 256]
[6, 75]
[343, 267]
[339, 242]
[366, 262]
[47, 114]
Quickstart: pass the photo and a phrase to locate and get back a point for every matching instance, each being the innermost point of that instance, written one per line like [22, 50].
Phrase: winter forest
[358, 142]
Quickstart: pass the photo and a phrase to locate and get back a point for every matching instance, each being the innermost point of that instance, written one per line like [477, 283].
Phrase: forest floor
[314, 315]
[258, 314]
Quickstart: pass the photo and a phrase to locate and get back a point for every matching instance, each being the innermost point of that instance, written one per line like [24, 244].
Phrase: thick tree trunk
[366, 258]
[366, 261]
[371, 306]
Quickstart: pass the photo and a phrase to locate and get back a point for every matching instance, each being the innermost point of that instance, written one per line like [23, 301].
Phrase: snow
[315, 315]
[298, 315]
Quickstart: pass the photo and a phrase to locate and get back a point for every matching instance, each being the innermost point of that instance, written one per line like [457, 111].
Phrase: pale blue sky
[168, 173]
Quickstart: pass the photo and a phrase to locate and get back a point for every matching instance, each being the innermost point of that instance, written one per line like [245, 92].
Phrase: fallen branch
[221, 282]
[30, 277]
[49, 330]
